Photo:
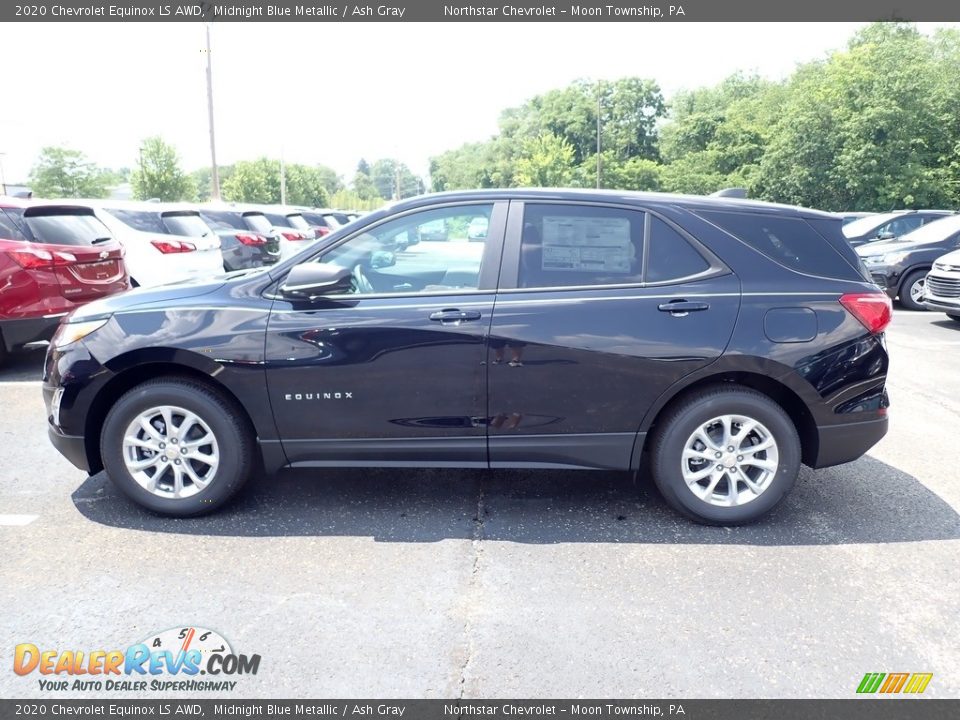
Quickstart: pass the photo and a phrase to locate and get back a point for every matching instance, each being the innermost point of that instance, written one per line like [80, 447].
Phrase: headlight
[888, 259]
[70, 332]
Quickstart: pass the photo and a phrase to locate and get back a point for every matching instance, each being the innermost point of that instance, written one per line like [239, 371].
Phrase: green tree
[64, 173]
[364, 188]
[545, 161]
[872, 127]
[158, 173]
[387, 173]
[258, 181]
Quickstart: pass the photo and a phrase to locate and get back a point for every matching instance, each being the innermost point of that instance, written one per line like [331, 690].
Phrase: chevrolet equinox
[720, 341]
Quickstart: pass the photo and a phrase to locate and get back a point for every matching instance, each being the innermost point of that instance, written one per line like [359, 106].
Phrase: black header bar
[490, 11]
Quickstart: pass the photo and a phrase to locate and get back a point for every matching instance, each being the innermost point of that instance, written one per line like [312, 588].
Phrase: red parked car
[53, 258]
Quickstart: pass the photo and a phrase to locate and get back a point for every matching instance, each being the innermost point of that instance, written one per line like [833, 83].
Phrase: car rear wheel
[911, 291]
[176, 447]
[955, 318]
[725, 456]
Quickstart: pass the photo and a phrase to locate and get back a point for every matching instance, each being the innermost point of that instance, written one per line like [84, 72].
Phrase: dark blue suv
[720, 342]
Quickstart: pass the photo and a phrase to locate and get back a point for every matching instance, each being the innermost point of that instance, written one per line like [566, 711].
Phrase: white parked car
[288, 222]
[941, 291]
[164, 242]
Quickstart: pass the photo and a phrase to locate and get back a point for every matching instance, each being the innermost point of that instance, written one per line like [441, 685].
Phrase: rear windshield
[257, 222]
[65, 226]
[187, 223]
[140, 220]
[223, 220]
[11, 224]
[789, 241]
[297, 221]
[315, 219]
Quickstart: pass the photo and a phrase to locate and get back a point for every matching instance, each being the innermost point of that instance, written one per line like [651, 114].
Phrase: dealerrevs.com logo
[172, 660]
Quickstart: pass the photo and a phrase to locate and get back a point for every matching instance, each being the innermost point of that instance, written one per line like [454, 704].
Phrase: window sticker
[586, 244]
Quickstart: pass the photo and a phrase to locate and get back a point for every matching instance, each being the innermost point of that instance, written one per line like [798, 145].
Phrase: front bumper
[72, 447]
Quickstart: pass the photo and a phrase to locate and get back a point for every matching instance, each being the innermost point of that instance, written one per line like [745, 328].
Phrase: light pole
[598, 135]
[214, 173]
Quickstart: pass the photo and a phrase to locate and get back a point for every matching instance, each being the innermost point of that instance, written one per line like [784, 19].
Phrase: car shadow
[947, 323]
[863, 502]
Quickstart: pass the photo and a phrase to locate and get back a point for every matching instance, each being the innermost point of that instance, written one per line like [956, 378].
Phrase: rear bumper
[17, 333]
[72, 447]
[844, 443]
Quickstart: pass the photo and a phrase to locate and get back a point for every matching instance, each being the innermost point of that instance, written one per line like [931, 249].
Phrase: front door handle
[679, 307]
[453, 316]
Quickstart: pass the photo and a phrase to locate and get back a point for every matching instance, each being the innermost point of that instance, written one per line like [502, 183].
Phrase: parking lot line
[17, 520]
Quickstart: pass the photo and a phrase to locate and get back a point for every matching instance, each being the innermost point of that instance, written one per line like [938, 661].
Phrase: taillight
[173, 246]
[245, 239]
[321, 231]
[873, 310]
[294, 236]
[35, 258]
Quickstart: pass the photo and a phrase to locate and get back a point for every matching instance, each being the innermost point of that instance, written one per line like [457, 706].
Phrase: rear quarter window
[788, 241]
[11, 224]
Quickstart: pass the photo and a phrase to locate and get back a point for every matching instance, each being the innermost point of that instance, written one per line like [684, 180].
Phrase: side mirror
[885, 235]
[382, 259]
[312, 280]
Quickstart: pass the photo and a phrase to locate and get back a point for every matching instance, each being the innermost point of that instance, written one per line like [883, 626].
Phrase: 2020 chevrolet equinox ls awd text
[723, 341]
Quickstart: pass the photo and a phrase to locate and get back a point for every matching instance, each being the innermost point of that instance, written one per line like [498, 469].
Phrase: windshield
[864, 225]
[933, 232]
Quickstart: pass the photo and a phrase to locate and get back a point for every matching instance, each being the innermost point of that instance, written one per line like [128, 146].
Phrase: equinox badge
[319, 396]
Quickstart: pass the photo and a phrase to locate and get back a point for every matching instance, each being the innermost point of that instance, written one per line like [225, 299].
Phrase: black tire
[679, 424]
[232, 434]
[905, 300]
[955, 318]
[3, 350]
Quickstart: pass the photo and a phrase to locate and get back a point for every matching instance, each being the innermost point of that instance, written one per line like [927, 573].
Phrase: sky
[333, 93]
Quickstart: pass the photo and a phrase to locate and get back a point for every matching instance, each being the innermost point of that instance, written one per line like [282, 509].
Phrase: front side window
[407, 255]
[571, 245]
[901, 226]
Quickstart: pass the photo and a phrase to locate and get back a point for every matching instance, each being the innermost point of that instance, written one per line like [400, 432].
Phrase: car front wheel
[176, 447]
[911, 292]
[725, 456]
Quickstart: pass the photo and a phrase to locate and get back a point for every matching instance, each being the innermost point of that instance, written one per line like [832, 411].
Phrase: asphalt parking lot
[439, 583]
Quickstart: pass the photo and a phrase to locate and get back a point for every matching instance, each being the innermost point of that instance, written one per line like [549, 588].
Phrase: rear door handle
[453, 316]
[679, 307]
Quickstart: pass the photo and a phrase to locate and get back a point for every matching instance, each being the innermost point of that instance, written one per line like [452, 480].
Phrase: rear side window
[65, 227]
[789, 241]
[570, 245]
[11, 224]
[189, 224]
[670, 256]
[140, 220]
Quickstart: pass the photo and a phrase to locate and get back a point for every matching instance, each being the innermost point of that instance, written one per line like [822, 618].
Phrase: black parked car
[887, 226]
[247, 238]
[723, 341]
[900, 266]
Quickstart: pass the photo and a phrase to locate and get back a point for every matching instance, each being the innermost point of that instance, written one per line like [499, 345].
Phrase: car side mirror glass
[885, 235]
[382, 259]
[313, 280]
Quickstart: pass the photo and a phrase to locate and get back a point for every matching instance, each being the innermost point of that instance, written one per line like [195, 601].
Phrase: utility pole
[598, 135]
[214, 173]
